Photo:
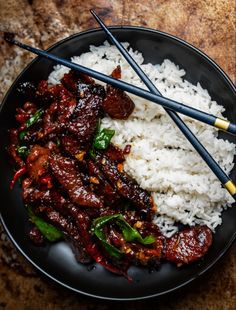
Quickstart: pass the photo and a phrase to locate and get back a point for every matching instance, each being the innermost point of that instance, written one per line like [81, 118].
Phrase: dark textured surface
[209, 25]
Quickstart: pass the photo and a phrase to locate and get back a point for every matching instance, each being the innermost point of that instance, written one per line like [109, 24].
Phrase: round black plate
[57, 260]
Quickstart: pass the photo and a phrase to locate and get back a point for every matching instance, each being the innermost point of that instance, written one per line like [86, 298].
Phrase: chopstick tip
[9, 37]
[92, 11]
[98, 19]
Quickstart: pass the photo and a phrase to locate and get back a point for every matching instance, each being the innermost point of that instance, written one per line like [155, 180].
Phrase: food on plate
[87, 156]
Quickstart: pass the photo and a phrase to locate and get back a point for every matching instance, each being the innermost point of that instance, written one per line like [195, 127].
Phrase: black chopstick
[225, 180]
[141, 93]
[165, 102]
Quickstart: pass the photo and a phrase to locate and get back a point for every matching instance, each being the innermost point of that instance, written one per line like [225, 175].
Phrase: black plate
[57, 260]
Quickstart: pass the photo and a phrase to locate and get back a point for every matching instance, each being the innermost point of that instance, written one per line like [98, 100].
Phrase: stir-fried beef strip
[47, 197]
[65, 171]
[83, 224]
[188, 245]
[37, 161]
[102, 186]
[59, 112]
[142, 255]
[72, 183]
[46, 94]
[117, 104]
[155, 251]
[23, 114]
[70, 230]
[124, 185]
[66, 106]
[70, 81]
[136, 253]
[115, 153]
[84, 121]
[71, 147]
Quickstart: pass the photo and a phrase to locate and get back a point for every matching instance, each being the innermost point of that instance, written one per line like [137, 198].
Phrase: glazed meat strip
[115, 153]
[65, 171]
[117, 104]
[84, 121]
[188, 245]
[24, 113]
[66, 105]
[73, 80]
[69, 229]
[102, 186]
[58, 114]
[50, 124]
[46, 94]
[149, 255]
[70, 81]
[48, 197]
[136, 253]
[53, 198]
[70, 145]
[58, 105]
[124, 185]
[83, 224]
[37, 161]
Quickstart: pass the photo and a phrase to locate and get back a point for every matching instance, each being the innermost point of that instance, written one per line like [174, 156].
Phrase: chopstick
[225, 180]
[165, 102]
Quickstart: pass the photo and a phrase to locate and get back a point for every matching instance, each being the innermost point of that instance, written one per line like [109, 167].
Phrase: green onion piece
[102, 137]
[98, 126]
[58, 142]
[34, 118]
[23, 151]
[31, 121]
[23, 134]
[50, 232]
[130, 234]
[97, 229]
[92, 154]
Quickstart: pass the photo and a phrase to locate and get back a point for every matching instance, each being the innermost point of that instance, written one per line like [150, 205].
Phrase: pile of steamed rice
[162, 160]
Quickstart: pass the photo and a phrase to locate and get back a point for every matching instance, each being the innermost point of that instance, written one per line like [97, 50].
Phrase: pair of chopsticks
[225, 180]
[154, 95]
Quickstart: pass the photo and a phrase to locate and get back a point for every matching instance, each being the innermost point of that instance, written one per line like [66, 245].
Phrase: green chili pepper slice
[102, 137]
[130, 234]
[31, 121]
[23, 134]
[50, 232]
[23, 151]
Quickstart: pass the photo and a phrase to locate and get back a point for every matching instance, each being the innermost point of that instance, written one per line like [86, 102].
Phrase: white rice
[161, 159]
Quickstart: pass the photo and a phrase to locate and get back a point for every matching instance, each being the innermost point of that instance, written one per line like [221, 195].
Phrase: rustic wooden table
[210, 26]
